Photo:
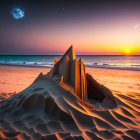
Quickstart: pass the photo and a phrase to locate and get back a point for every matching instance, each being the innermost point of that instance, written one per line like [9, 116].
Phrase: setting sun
[127, 51]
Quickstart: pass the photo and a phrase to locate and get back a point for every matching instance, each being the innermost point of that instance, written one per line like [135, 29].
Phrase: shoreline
[10, 65]
[113, 68]
[38, 66]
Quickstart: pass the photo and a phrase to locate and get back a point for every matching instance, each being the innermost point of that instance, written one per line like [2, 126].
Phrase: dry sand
[47, 111]
[17, 78]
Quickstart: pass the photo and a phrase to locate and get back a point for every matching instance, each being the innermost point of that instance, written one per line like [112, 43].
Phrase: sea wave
[95, 65]
[21, 63]
[111, 66]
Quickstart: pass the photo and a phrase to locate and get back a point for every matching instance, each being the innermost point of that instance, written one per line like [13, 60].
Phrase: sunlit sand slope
[45, 110]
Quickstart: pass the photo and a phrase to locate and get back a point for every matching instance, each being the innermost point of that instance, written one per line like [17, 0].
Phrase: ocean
[131, 62]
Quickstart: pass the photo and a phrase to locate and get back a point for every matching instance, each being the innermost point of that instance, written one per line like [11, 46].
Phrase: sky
[94, 27]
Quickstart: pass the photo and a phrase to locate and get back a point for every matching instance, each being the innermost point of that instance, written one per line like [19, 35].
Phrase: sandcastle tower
[73, 72]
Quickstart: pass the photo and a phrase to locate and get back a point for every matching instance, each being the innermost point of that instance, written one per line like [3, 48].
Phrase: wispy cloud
[136, 26]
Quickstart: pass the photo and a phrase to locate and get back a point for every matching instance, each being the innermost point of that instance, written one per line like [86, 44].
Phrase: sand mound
[49, 109]
[46, 110]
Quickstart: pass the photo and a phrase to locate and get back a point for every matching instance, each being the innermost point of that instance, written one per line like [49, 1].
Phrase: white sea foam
[112, 62]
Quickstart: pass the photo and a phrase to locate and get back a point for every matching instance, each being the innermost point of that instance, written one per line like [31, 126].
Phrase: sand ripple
[47, 111]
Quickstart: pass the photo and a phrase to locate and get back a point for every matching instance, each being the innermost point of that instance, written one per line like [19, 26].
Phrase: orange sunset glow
[103, 31]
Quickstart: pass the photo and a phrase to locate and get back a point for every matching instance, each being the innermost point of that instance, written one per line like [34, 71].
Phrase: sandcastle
[47, 109]
[72, 72]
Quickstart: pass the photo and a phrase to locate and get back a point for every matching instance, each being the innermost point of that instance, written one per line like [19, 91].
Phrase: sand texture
[46, 110]
[50, 109]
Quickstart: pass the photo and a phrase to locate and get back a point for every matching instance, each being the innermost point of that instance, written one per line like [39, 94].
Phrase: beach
[41, 109]
[17, 78]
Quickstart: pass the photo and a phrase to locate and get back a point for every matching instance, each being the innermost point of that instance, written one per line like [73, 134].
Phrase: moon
[17, 13]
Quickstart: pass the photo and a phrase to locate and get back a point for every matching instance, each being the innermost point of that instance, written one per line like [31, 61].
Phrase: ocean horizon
[131, 62]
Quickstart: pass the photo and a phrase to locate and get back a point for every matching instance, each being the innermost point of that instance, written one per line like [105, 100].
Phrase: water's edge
[110, 62]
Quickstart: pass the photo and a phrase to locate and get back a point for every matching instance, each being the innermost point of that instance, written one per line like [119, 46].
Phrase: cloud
[136, 26]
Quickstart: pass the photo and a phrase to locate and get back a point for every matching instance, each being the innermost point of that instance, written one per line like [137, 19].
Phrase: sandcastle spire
[55, 60]
[72, 71]
[71, 53]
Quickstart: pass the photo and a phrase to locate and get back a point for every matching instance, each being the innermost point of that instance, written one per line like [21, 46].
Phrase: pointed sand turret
[55, 60]
[73, 72]
[71, 53]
